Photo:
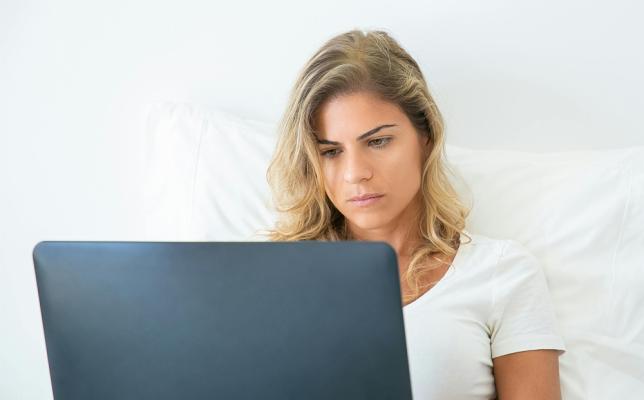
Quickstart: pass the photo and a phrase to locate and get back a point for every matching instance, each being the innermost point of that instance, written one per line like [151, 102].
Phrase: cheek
[402, 173]
[330, 182]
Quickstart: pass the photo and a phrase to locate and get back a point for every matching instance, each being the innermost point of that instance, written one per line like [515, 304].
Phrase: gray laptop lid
[222, 320]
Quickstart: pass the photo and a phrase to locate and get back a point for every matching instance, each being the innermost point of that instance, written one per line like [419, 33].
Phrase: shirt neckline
[450, 271]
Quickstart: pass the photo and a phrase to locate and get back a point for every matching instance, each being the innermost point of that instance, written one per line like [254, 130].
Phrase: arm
[527, 375]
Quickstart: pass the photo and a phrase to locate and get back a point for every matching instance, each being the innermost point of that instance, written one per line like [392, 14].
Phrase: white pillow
[581, 213]
[205, 175]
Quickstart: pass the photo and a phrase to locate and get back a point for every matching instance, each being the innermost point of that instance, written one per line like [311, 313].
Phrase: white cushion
[581, 213]
[205, 174]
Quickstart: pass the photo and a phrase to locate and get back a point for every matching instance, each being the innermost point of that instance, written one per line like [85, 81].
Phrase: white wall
[75, 78]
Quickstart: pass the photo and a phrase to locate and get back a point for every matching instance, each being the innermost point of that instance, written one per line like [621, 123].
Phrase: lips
[366, 196]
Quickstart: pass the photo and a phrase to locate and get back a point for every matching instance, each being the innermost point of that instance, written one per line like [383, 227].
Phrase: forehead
[349, 115]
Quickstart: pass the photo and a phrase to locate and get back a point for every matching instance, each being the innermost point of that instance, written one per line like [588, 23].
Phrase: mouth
[366, 200]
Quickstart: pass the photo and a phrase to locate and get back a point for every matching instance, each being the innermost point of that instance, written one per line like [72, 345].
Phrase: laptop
[222, 320]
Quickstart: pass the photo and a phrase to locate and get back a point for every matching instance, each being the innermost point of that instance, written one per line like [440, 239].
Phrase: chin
[368, 221]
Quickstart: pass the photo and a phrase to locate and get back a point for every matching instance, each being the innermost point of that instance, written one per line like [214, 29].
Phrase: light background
[75, 77]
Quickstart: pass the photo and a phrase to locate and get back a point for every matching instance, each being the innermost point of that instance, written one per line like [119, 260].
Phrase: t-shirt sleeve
[522, 316]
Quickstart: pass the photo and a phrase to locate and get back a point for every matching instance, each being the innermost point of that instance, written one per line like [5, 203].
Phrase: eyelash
[384, 142]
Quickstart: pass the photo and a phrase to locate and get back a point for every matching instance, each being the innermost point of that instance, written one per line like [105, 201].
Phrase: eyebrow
[361, 137]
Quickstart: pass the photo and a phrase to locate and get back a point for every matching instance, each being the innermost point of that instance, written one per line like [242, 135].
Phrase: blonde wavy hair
[350, 62]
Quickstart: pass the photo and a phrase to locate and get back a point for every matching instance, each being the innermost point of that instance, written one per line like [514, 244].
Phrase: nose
[356, 169]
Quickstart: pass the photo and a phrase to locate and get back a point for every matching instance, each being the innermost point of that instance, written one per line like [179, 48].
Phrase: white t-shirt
[492, 301]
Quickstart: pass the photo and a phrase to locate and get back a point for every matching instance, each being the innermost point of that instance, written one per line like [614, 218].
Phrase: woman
[360, 156]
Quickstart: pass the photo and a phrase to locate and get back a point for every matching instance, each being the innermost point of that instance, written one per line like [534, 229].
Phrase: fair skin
[368, 145]
[358, 167]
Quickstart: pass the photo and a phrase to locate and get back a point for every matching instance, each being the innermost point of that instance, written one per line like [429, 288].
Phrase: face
[368, 146]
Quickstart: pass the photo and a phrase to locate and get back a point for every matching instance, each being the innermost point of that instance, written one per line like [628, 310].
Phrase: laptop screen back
[228, 320]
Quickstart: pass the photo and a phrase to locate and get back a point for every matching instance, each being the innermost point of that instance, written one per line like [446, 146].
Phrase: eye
[380, 142]
[377, 143]
[329, 153]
